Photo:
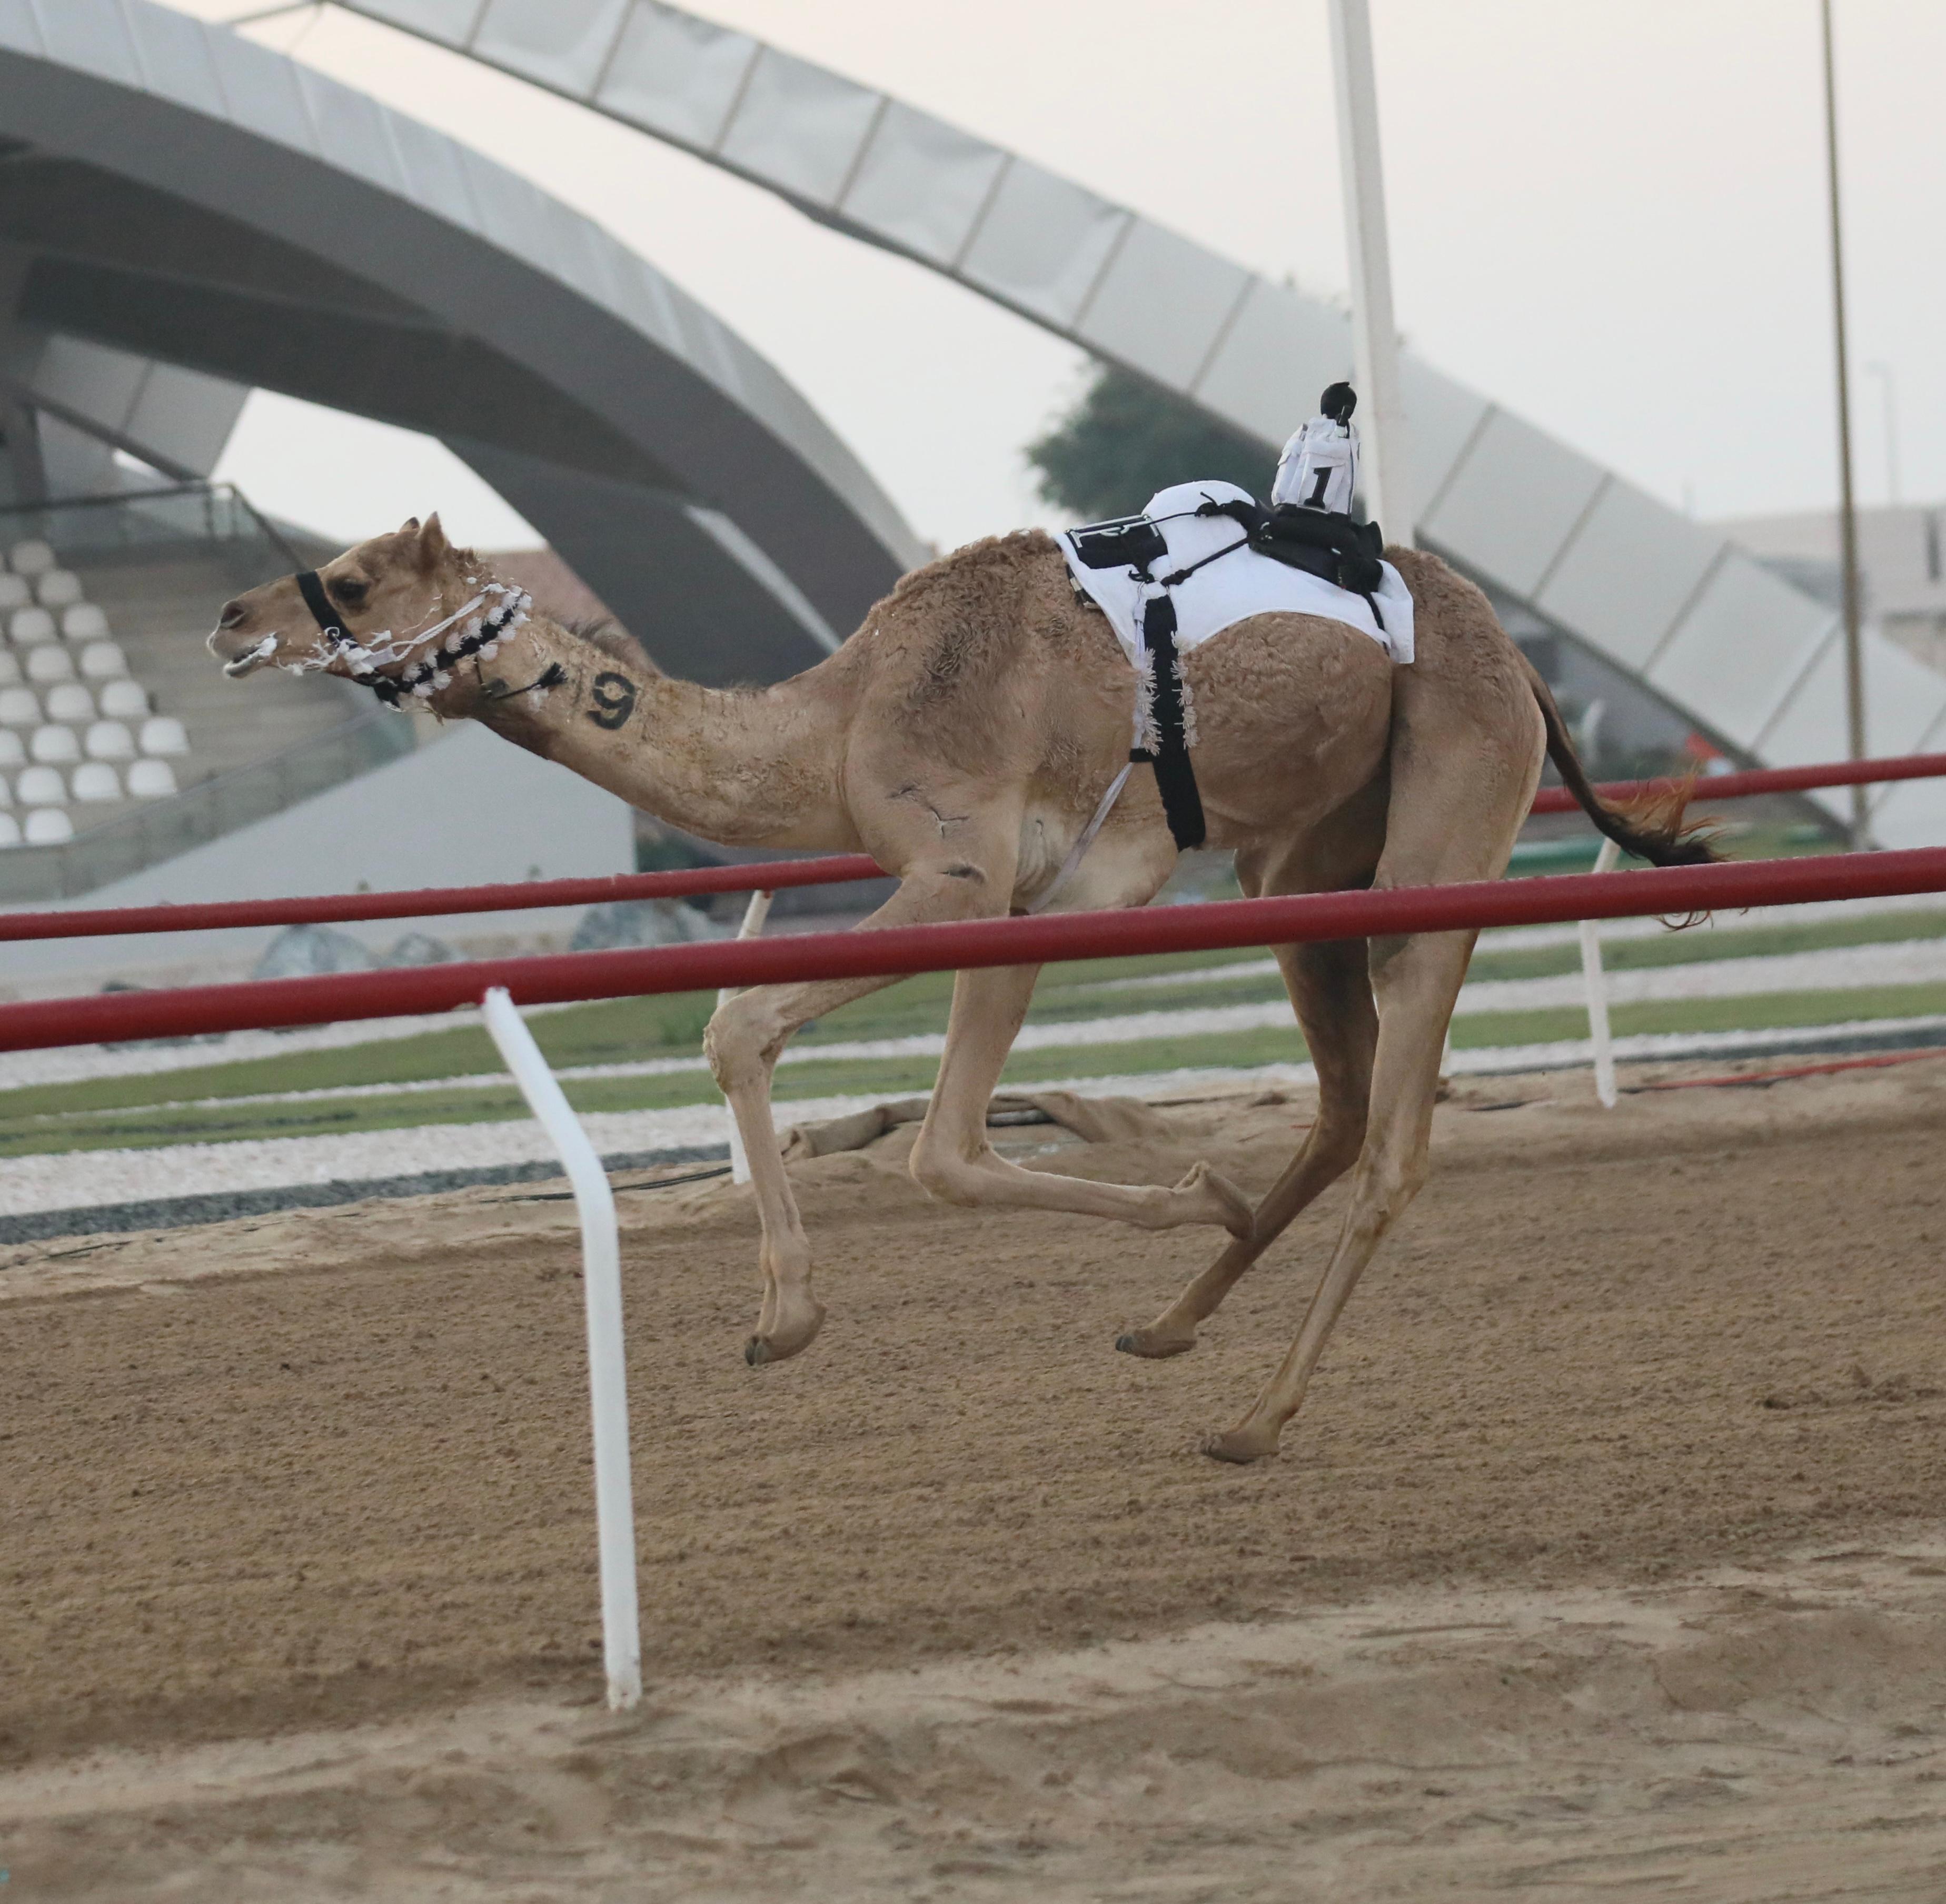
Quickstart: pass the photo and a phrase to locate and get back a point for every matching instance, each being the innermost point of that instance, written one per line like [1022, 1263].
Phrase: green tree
[1124, 440]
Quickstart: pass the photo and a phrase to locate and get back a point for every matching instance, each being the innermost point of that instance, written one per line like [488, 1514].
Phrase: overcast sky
[1608, 215]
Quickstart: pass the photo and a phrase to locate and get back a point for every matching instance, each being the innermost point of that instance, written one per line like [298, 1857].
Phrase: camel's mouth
[252, 658]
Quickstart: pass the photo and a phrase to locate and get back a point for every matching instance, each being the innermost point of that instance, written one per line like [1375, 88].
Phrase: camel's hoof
[1241, 1446]
[1153, 1347]
[781, 1342]
[1233, 1208]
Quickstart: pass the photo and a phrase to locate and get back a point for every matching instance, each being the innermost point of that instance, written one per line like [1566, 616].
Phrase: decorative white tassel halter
[480, 634]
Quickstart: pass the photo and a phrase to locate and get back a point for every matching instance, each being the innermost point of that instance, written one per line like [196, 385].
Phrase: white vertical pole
[754, 914]
[1387, 476]
[607, 1371]
[1597, 982]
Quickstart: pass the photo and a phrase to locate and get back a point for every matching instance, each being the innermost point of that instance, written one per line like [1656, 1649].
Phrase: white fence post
[754, 914]
[1597, 982]
[607, 1370]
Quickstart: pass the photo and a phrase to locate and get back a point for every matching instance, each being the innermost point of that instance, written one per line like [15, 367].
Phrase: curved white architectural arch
[173, 193]
[1674, 604]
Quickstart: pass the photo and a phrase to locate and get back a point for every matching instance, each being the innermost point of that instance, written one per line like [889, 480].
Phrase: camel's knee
[742, 1039]
[1388, 1184]
[943, 1172]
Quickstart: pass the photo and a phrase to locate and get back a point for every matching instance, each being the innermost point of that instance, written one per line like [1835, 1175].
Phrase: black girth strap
[1175, 778]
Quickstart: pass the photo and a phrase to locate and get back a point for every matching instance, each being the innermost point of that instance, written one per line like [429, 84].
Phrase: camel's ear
[409, 527]
[433, 547]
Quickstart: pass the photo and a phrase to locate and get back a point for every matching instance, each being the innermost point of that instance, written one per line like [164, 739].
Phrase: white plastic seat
[96, 780]
[41, 786]
[54, 745]
[13, 749]
[31, 627]
[124, 700]
[109, 740]
[49, 826]
[68, 701]
[100, 660]
[9, 831]
[84, 621]
[16, 592]
[163, 733]
[20, 707]
[6, 792]
[149, 779]
[58, 587]
[32, 557]
[10, 669]
[45, 664]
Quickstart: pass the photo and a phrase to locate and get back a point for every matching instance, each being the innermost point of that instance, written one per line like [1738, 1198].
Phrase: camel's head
[373, 612]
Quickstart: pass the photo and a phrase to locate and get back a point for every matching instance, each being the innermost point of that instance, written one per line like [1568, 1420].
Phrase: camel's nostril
[234, 611]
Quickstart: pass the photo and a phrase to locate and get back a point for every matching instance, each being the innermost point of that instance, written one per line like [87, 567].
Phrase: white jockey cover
[1319, 467]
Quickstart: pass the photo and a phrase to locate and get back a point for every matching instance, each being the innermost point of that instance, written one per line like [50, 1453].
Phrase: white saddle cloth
[1233, 587]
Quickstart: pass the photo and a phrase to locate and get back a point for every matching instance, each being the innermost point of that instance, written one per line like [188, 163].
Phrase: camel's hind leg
[954, 1162]
[1333, 996]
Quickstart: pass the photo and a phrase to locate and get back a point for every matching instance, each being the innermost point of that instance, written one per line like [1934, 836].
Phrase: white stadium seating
[49, 826]
[70, 701]
[149, 779]
[109, 740]
[58, 588]
[124, 700]
[95, 780]
[52, 664]
[15, 591]
[84, 623]
[13, 753]
[9, 831]
[31, 626]
[163, 733]
[54, 745]
[41, 786]
[99, 660]
[20, 707]
[30, 558]
[10, 669]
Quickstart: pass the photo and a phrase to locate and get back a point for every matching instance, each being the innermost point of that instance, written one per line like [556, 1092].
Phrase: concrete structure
[1753, 661]
[183, 214]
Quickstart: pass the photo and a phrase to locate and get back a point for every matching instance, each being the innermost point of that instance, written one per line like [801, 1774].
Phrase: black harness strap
[333, 631]
[1175, 778]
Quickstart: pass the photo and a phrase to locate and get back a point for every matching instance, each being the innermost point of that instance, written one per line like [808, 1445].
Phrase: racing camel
[963, 737]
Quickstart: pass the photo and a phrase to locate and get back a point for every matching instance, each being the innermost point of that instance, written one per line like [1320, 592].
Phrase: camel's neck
[747, 769]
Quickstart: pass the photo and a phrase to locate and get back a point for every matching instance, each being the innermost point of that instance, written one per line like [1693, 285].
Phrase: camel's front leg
[744, 1038]
[954, 1162]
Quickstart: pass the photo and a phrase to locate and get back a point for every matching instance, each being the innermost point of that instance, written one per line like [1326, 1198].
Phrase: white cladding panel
[799, 127]
[185, 416]
[261, 87]
[1904, 698]
[1512, 502]
[351, 131]
[18, 27]
[1909, 814]
[559, 42]
[1042, 242]
[1810, 726]
[1734, 655]
[515, 214]
[1629, 572]
[1163, 303]
[435, 175]
[1278, 353]
[449, 20]
[90, 34]
[677, 75]
[1441, 417]
[175, 57]
[921, 183]
[90, 380]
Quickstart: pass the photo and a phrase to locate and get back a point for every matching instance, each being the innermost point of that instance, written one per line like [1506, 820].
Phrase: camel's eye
[349, 591]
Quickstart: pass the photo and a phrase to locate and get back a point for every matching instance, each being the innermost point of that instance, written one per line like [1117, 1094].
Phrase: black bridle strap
[319, 605]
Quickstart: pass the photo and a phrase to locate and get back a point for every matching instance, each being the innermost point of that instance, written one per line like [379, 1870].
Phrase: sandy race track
[1609, 1555]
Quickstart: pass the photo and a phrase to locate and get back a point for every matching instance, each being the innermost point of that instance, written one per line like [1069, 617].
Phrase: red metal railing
[770, 876]
[902, 949]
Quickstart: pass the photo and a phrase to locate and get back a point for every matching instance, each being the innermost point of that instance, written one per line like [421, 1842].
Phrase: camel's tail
[1651, 826]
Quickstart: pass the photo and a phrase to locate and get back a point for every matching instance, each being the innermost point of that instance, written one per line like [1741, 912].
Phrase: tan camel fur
[962, 737]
